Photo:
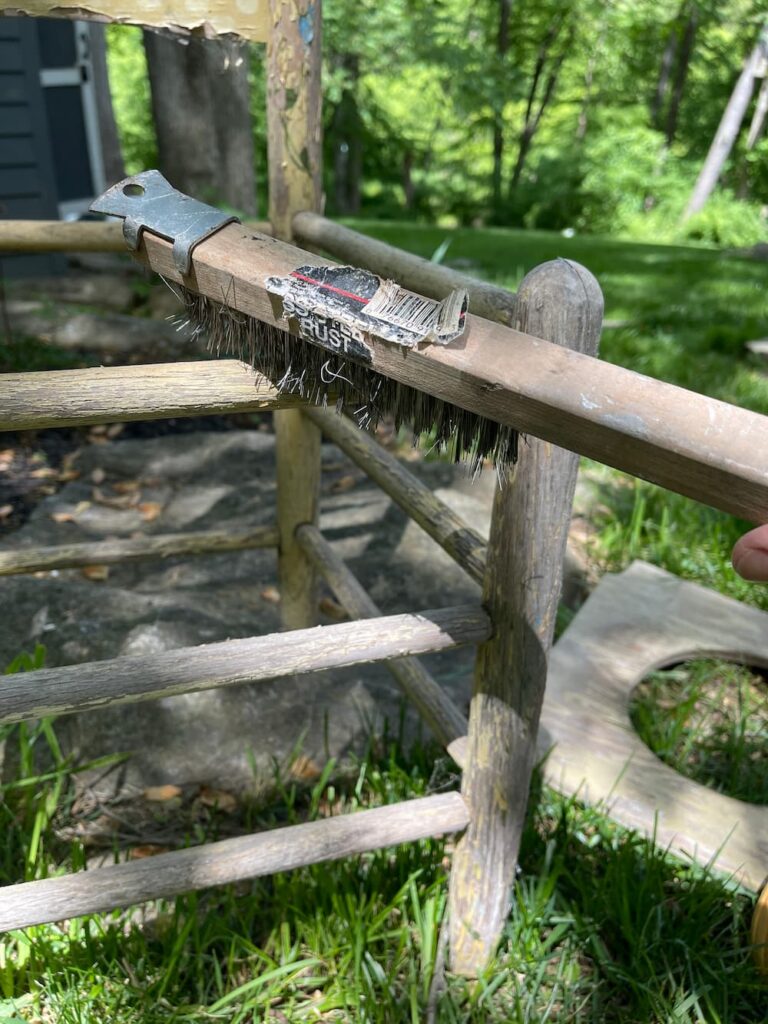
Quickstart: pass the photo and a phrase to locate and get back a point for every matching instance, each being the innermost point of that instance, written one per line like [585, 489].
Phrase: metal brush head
[297, 367]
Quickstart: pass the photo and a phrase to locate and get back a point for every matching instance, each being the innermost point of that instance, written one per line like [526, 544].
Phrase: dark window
[64, 108]
[56, 38]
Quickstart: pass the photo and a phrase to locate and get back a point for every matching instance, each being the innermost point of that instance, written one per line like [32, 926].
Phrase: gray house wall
[51, 162]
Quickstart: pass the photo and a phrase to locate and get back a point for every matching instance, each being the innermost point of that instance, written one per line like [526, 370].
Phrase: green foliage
[129, 86]
[419, 86]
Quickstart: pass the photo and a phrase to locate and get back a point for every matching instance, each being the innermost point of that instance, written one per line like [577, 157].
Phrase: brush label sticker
[338, 308]
[327, 332]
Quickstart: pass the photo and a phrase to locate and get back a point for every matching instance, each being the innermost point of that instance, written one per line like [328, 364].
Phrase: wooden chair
[526, 360]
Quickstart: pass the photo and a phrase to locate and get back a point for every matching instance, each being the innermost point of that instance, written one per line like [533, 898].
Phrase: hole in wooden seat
[708, 719]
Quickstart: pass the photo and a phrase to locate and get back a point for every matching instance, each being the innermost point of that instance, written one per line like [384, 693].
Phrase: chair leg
[298, 493]
[561, 302]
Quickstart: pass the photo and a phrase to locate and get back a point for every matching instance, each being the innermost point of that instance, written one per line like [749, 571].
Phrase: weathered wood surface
[633, 624]
[462, 543]
[229, 860]
[560, 301]
[61, 236]
[66, 398]
[59, 691]
[294, 138]
[297, 442]
[294, 117]
[248, 20]
[420, 275]
[436, 708]
[75, 236]
[114, 552]
[698, 446]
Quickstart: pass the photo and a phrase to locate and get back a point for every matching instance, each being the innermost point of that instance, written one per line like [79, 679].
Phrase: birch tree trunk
[728, 129]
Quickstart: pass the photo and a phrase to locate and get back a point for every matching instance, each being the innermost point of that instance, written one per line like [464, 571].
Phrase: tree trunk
[502, 48]
[758, 118]
[665, 73]
[532, 120]
[681, 74]
[201, 108]
[728, 128]
[114, 169]
[346, 132]
[409, 189]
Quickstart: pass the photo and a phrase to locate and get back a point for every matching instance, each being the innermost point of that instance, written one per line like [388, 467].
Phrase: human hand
[750, 555]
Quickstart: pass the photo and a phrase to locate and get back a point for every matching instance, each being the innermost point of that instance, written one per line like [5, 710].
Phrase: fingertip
[750, 556]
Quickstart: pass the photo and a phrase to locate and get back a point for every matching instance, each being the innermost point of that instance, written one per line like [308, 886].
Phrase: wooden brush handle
[698, 446]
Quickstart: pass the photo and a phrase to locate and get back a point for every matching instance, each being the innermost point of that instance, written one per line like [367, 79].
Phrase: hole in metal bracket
[133, 189]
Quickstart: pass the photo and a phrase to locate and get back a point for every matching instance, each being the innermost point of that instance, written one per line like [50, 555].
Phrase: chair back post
[294, 127]
[561, 302]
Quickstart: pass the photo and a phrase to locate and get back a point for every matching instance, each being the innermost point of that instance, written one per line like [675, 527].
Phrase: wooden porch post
[295, 184]
[560, 302]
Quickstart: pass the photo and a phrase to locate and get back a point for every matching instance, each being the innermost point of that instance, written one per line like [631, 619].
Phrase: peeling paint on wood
[247, 19]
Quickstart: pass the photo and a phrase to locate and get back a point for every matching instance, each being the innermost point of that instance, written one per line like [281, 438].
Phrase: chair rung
[65, 398]
[60, 691]
[230, 860]
[457, 539]
[113, 552]
[425, 693]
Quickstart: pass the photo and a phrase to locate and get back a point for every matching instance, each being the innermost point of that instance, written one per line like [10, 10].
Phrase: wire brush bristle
[297, 367]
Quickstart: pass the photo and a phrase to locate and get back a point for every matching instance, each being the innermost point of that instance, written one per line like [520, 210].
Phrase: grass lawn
[604, 927]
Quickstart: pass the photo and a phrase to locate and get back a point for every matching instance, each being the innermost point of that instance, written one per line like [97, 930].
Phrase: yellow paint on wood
[244, 18]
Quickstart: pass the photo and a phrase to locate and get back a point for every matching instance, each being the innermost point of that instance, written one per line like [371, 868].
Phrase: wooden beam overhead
[248, 20]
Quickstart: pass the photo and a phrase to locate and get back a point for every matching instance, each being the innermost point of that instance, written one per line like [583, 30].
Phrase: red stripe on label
[329, 287]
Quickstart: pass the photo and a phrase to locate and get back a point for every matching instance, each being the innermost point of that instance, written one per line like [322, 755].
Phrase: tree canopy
[594, 115]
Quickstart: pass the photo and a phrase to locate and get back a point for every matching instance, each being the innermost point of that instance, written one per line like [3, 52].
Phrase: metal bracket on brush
[148, 202]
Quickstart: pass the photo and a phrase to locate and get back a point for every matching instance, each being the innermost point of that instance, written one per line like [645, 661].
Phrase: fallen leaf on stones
[218, 798]
[81, 506]
[126, 486]
[159, 794]
[344, 483]
[271, 594]
[304, 768]
[43, 473]
[98, 573]
[98, 476]
[99, 430]
[121, 501]
[149, 510]
[6, 458]
[46, 489]
[332, 609]
[115, 430]
[67, 475]
[5, 511]
[147, 850]
[62, 517]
